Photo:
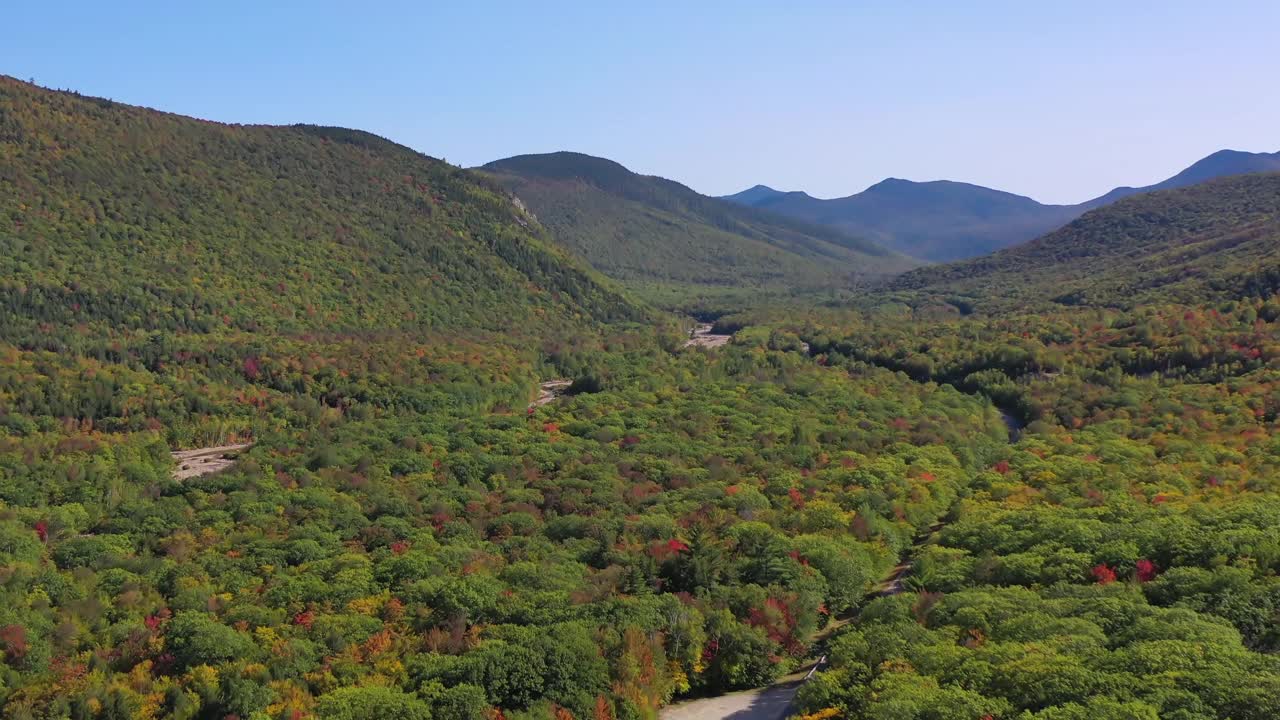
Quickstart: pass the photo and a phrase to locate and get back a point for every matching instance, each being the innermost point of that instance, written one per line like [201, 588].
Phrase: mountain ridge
[1215, 238]
[369, 235]
[1217, 164]
[944, 220]
[649, 229]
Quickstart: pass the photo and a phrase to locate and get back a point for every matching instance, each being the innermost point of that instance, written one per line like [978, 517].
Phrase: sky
[1058, 101]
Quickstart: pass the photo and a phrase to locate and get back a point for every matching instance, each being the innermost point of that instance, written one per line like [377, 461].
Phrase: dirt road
[768, 703]
[205, 461]
[702, 337]
[550, 390]
[774, 701]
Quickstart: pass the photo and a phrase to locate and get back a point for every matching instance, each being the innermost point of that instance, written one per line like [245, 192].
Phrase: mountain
[754, 195]
[131, 220]
[645, 229]
[1219, 164]
[938, 220]
[943, 220]
[1217, 239]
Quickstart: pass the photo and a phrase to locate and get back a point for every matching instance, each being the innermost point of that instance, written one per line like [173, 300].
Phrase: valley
[664, 238]
[495, 476]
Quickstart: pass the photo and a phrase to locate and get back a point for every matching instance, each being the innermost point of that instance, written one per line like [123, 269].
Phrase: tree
[195, 638]
[371, 703]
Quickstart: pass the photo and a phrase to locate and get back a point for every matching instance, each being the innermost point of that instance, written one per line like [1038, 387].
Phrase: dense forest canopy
[136, 220]
[1086, 492]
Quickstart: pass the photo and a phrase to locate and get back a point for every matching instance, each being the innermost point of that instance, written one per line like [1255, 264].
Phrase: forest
[1086, 486]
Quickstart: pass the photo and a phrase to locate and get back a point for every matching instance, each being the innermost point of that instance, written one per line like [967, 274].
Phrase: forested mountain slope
[1223, 163]
[648, 229]
[130, 219]
[182, 259]
[1219, 238]
[944, 220]
[407, 536]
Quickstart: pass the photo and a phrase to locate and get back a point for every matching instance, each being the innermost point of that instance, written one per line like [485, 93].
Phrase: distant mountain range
[1218, 238]
[943, 220]
[646, 230]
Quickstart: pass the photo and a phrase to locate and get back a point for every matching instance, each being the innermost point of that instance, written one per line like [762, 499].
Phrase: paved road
[769, 703]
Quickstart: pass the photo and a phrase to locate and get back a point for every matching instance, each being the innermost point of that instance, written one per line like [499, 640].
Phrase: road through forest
[703, 337]
[773, 702]
[205, 461]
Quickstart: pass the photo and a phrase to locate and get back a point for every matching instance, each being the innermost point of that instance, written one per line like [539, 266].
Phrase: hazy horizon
[1059, 104]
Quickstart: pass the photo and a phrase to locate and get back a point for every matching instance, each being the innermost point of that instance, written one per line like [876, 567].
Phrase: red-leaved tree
[1103, 574]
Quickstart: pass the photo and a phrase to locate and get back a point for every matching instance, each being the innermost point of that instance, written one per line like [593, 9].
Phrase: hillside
[1220, 164]
[137, 220]
[943, 220]
[167, 273]
[1221, 237]
[647, 229]
[401, 534]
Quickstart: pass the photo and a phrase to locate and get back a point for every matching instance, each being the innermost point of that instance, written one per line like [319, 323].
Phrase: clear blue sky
[1060, 101]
